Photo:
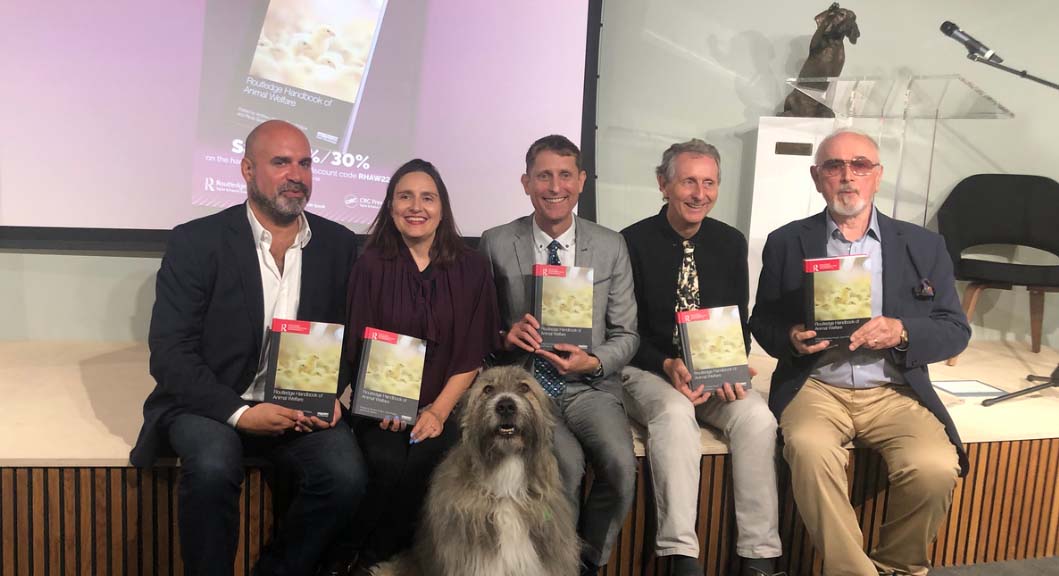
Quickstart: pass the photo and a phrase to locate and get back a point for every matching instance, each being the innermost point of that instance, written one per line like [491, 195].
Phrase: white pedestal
[783, 188]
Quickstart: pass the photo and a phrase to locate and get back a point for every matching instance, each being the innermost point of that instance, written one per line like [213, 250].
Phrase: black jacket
[206, 326]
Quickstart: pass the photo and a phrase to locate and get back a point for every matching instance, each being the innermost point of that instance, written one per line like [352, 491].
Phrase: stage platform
[71, 504]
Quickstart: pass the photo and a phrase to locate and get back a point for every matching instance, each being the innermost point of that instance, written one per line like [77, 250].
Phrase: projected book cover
[303, 364]
[562, 303]
[318, 65]
[309, 64]
[713, 347]
[390, 376]
[837, 295]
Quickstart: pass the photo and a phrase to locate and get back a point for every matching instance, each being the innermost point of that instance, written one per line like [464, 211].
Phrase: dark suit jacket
[206, 327]
[937, 327]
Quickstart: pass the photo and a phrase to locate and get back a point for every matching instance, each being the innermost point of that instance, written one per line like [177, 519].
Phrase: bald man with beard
[222, 280]
[874, 387]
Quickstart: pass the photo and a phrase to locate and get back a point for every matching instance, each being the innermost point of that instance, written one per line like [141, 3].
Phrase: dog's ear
[821, 17]
[826, 14]
[854, 30]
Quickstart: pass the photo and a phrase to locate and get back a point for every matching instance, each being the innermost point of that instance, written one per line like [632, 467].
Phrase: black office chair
[1003, 209]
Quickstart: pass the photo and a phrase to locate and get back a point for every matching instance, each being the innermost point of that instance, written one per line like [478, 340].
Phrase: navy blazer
[913, 257]
[206, 326]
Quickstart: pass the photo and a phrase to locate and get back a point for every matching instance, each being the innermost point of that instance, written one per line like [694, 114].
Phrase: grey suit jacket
[509, 249]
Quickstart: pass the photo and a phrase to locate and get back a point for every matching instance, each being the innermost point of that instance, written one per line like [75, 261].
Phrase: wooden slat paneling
[983, 524]
[123, 521]
[97, 521]
[53, 530]
[976, 478]
[115, 521]
[1050, 526]
[22, 522]
[144, 519]
[1015, 503]
[988, 464]
[162, 523]
[1051, 534]
[68, 482]
[131, 525]
[7, 521]
[100, 516]
[85, 536]
[1030, 513]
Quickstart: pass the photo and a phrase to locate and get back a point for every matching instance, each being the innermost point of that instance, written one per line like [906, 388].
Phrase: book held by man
[562, 303]
[713, 347]
[837, 295]
[390, 376]
[303, 364]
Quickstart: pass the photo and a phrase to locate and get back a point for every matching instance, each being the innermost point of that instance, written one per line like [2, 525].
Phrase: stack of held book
[302, 366]
[713, 347]
[390, 376]
[562, 304]
[837, 295]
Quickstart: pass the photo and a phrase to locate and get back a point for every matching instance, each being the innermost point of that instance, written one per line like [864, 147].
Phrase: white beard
[842, 209]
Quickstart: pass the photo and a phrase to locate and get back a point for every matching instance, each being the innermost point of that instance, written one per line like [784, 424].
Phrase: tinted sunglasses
[860, 166]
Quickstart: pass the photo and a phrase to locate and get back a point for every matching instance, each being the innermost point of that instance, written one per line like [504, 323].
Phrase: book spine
[362, 369]
[810, 302]
[272, 342]
[538, 296]
[685, 348]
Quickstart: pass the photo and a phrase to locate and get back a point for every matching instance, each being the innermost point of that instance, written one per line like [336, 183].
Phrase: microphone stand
[1020, 73]
[1046, 382]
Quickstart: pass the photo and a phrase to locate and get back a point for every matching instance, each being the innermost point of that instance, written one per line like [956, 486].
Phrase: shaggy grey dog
[495, 506]
[827, 55]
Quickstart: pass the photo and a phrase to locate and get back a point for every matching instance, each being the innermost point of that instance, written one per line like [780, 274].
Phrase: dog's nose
[505, 407]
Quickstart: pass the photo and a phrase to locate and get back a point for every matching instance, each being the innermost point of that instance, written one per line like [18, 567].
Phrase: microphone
[973, 46]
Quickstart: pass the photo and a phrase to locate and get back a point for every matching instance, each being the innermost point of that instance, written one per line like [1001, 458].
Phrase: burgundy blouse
[453, 308]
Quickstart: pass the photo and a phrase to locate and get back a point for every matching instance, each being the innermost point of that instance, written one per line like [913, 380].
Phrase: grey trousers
[592, 426]
[674, 452]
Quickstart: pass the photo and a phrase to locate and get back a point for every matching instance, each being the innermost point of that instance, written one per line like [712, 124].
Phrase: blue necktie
[546, 374]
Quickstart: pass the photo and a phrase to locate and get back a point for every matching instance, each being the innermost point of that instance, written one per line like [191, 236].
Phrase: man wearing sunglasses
[873, 388]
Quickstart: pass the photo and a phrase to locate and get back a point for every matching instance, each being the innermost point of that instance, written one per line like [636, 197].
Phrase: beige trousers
[921, 462]
[674, 449]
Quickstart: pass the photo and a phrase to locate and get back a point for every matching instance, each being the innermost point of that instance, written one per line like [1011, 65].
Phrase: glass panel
[943, 97]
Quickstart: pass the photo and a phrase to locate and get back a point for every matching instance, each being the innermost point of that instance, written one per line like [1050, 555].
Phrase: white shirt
[541, 240]
[281, 291]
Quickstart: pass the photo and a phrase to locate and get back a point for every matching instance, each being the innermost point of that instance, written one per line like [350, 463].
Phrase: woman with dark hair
[417, 278]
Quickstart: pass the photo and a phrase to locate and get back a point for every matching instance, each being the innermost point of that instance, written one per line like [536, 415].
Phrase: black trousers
[398, 477]
[330, 478]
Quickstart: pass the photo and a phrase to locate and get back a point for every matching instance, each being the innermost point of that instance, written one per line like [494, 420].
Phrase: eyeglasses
[860, 166]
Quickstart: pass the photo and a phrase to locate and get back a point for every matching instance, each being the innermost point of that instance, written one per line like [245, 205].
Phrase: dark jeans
[399, 475]
[329, 477]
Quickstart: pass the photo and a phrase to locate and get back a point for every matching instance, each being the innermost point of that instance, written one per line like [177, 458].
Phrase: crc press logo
[354, 201]
[209, 185]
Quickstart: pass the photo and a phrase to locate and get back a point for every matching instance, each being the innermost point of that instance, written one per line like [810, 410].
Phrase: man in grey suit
[586, 385]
